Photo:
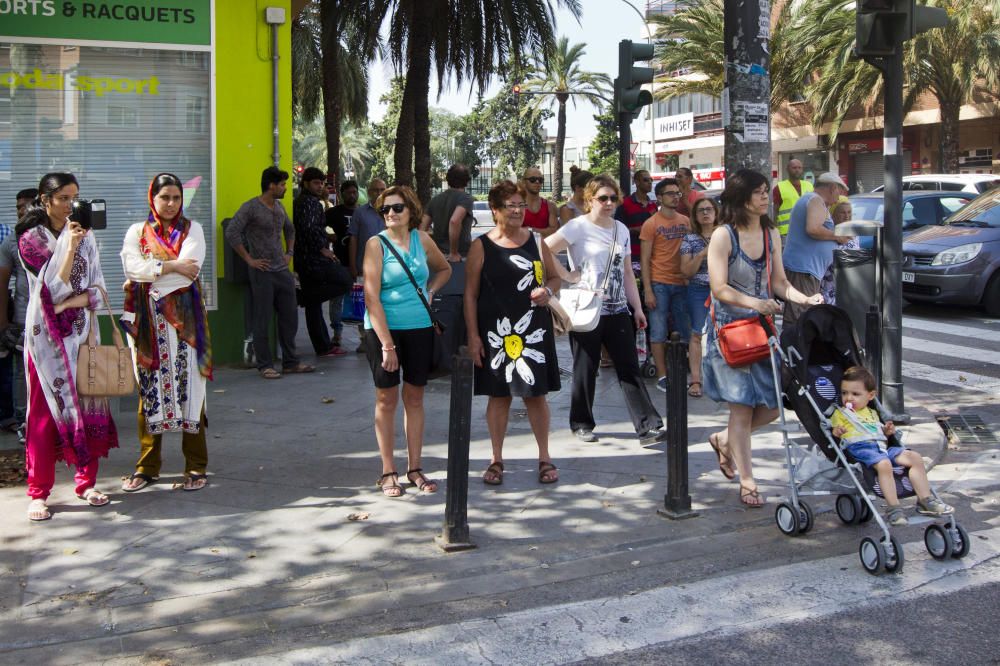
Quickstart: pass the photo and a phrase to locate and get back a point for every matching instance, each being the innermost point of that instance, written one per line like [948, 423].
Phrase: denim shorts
[751, 385]
[671, 301]
[868, 453]
[697, 310]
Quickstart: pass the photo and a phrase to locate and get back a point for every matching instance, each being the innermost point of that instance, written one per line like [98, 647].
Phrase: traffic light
[628, 86]
[516, 89]
[883, 25]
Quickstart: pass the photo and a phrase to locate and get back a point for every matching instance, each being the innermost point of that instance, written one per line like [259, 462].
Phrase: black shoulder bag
[439, 359]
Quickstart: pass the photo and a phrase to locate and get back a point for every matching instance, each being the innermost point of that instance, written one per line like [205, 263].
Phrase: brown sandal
[496, 470]
[390, 489]
[725, 462]
[547, 472]
[422, 483]
[755, 500]
[299, 369]
[270, 373]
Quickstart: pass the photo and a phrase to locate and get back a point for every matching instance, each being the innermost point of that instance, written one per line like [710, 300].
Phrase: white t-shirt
[588, 246]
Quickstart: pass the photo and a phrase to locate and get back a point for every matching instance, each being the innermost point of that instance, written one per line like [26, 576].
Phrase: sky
[602, 25]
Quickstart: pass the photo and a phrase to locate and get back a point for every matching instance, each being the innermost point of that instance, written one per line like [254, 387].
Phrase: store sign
[673, 127]
[143, 21]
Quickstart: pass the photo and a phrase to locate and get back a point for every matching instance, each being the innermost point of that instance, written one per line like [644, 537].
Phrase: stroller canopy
[823, 335]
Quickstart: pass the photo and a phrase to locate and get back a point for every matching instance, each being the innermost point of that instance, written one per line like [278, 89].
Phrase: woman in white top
[167, 323]
[599, 249]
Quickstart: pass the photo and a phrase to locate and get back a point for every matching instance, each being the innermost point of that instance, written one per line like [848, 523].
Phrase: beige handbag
[104, 370]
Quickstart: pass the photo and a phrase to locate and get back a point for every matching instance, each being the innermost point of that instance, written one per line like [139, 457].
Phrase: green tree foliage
[453, 141]
[309, 145]
[383, 133]
[557, 76]
[603, 151]
[512, 137]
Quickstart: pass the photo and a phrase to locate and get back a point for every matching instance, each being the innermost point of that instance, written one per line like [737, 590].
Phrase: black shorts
[415, 351]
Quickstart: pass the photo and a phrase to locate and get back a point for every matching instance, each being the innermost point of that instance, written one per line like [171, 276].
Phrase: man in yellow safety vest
[787, 192]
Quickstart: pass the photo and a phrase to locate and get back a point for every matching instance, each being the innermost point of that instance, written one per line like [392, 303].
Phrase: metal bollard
[677, 501]
[873, 342]
[455, 532]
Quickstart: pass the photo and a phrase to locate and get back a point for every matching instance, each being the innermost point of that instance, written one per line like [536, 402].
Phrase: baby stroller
[808, 364]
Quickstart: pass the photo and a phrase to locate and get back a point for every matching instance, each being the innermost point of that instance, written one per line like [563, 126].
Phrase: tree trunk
[557, 159]
[949, 136]
[414, 127]
[333, 110]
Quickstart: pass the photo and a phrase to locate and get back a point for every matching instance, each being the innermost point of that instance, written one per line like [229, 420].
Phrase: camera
[90, 213]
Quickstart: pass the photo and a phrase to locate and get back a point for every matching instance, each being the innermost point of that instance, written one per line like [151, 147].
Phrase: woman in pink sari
[64, 272]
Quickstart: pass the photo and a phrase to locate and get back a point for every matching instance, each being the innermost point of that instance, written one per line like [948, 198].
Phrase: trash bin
[855, 274]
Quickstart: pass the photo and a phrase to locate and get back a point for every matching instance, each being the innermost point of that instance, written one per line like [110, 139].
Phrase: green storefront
[118, 91]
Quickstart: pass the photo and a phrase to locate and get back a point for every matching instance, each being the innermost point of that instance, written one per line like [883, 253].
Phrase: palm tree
[464, 39]
[328, 64]
[557, 78]
[309, 146]
[957, 65]
[691, 50]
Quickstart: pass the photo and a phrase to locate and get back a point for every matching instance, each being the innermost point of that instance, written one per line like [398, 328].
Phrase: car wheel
[991, 297]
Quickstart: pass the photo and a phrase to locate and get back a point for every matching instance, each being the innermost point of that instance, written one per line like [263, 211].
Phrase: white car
[484, 218]
[976, 183]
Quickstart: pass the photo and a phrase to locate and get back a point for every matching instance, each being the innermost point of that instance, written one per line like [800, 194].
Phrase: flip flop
[145, 478]
[270, 373]
[545, 472]
[94, 497]
[725, 462]
[754, 495]
[299, 369]
[691, 390]
[496, 469]
[192, 481]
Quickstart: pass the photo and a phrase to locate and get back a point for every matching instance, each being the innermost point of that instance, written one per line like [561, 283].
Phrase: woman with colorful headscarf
[167, 323]
[64, 277]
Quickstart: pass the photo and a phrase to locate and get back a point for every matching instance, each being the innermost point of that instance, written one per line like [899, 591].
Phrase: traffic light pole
[891, 248]
[746, 98]
[624, 152]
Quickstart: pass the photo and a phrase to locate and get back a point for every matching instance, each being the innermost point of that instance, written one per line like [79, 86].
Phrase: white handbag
[583, 304]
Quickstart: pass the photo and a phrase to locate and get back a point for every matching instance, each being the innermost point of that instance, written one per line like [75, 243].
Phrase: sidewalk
[266, 557]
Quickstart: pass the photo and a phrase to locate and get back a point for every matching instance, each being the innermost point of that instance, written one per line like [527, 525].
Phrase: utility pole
[746, 97]
[882, 28]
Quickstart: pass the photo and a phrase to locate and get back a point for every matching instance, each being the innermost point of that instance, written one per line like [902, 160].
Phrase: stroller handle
[768, 325]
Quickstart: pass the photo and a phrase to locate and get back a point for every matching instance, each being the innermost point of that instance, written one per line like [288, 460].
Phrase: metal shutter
[115, 118]
[869, 170]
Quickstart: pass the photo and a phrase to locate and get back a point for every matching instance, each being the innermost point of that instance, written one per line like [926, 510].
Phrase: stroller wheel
[649, 370]
[871, 556]
[892, 555]
[805, 517]
[866, 512]
[938, 542]
[960, 541]
[787, 518]
[849, 509]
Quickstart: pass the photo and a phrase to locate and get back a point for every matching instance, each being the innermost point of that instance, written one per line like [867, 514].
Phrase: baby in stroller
[865, 438]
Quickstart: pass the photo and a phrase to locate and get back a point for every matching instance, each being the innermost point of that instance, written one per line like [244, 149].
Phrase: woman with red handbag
[745, 274]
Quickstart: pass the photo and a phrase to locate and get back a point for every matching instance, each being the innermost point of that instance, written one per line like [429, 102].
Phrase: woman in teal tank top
[398, 333]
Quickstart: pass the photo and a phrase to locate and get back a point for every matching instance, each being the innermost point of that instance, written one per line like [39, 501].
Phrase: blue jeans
[697, 310]
[337, 314]
[671, 301]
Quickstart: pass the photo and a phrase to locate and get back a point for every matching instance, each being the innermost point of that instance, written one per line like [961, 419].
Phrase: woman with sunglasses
[66, 284]
[694, 266]
[745, 273]
[540, 213]
[509, 277]
[599, 247]
[398, 329]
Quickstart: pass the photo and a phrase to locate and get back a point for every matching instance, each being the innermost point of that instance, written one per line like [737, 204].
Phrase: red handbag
[744, 341]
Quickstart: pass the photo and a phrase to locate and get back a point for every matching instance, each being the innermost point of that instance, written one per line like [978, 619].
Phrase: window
[115, 118]
[952, 204]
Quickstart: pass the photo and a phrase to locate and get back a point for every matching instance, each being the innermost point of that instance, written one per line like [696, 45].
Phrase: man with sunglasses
[664, 285]
[635, 209]
[540, 213]
[449, 215]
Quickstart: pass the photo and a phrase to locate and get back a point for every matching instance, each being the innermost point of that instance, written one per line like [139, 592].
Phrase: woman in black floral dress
[510, 276]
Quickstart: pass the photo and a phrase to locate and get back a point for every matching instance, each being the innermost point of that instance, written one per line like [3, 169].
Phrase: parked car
[976, 183]
[920, 209]
[957, 261]
[483, 218]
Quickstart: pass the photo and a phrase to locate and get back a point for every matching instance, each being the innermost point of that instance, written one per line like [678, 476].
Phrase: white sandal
[94, 497]
[38, 511]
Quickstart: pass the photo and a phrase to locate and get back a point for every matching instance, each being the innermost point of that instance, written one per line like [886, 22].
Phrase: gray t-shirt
[365, 223]
[440, 209]
[9, 259]
[259, 229]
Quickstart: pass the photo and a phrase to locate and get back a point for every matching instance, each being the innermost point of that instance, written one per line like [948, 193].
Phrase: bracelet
[389, 348]
[548, 290]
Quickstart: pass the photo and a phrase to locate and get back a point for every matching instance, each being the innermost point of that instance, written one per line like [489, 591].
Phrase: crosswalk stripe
[963, 380]
[966, 353]
[984, 334]
[732, 605]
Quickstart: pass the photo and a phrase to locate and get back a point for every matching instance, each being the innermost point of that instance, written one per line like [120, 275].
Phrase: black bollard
[677, 501]
[873, 342]
[455, 532]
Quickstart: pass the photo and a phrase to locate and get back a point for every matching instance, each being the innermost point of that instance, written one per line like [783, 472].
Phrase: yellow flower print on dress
[512, 347]
[533, 278]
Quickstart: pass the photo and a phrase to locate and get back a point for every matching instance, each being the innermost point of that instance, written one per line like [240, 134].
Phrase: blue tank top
[403, 307]
[803, 253]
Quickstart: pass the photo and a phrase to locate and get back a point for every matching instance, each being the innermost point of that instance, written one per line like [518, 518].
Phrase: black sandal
[145, 478]
[422, 483]
[193, 479]
[390, 489]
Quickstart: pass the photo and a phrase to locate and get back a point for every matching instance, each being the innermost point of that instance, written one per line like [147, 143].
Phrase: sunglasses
[605, 198]
[395, 208]
[535, 179]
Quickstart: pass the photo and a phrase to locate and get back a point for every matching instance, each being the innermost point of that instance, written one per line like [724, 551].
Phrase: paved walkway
[268, 558]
